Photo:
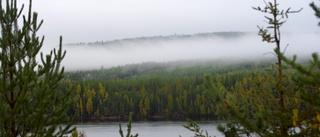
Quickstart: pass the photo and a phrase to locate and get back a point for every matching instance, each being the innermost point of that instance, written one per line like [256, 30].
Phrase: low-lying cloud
[244, 47]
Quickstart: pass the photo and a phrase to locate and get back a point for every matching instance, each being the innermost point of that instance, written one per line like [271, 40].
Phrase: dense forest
[157, 90]
[253, 97]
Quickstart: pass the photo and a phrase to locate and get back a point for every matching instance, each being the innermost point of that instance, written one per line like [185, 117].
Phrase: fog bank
[248, 46]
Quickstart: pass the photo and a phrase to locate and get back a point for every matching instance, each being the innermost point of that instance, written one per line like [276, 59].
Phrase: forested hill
[231, 34]
[164, 88]
[155, 90]
[182, 68]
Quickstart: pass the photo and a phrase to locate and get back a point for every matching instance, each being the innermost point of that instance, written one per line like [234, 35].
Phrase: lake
[146, 129]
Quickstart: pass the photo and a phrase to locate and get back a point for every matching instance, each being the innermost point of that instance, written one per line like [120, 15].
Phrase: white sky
[96, 20]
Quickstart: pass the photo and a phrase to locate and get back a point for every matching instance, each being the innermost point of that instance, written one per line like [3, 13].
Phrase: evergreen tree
[307, 78]
[129, 127]
[29, 102]
[268, 107]
[316, 10]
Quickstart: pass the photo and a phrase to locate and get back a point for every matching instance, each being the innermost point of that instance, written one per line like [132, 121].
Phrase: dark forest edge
[226, 34]
[158, 91]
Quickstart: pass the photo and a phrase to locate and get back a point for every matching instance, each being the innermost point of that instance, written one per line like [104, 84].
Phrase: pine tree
[129, 127]
[275, 22]
[307, 78]
[267, 107]
[316, 10]
[29, 102]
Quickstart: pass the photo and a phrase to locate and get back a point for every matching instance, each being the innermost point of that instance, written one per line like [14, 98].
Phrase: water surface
[146, 129]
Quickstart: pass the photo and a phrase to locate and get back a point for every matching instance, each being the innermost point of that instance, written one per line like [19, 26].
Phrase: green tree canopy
[266, 104]
[29, 102]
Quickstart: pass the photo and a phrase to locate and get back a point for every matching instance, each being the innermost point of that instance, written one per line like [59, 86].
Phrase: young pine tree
[267, 106]
[29, 102]
[307, 79]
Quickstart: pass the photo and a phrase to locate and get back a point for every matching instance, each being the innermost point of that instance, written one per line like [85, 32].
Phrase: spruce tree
[29, 102]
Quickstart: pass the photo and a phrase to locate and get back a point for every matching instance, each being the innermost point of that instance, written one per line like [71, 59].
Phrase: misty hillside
[235, 46]
[174, 69]
[229, 35]
[125, 86]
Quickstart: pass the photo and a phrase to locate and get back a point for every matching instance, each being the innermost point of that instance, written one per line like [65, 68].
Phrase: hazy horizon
[96, 20]
[244, 47]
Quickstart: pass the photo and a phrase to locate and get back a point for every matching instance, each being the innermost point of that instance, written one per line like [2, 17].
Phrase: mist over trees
[254, 97]
[121, 42]
[246, 97]
[173, 90]
[236, 46]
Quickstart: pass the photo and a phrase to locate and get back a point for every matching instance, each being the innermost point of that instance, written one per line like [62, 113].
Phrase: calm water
[146, 129]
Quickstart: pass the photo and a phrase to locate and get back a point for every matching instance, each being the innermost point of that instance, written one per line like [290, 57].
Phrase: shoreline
[144, 118]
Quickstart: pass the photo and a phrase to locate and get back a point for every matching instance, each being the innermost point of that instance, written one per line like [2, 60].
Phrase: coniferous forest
[272, 97]
[172, 90]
